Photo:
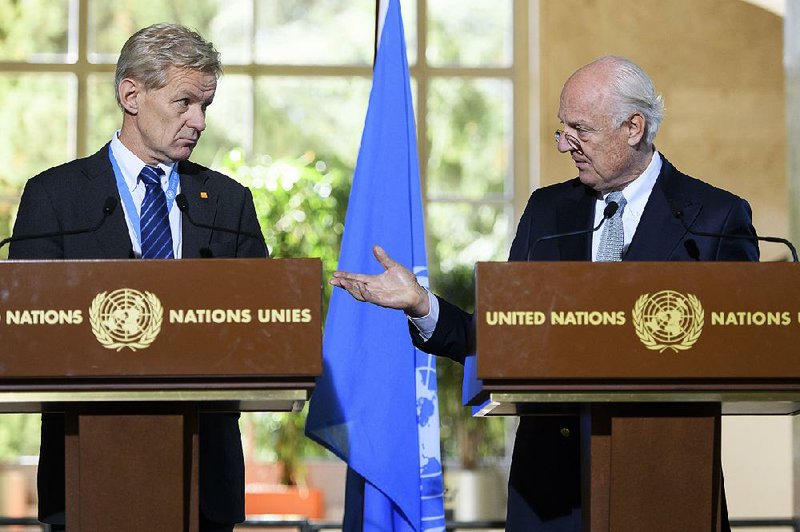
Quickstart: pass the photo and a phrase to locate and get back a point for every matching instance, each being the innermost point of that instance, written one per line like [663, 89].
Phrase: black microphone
[679, 215]
[109, 206]
[183, 205]
[611, 209]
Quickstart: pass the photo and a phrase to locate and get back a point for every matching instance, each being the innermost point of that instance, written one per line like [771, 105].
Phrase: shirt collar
[637, 192]
[130, 165]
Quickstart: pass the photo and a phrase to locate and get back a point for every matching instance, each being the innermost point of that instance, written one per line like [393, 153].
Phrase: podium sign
[209, 318]
[650, 355]
[639, 320]
[132, 351]
[718, 332]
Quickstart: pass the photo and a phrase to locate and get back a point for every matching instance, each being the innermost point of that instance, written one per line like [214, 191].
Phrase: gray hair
[148, 54]
[635, 93]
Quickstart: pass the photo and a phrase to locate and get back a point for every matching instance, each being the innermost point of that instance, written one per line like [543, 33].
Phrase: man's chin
[589, 179]
[181, 154]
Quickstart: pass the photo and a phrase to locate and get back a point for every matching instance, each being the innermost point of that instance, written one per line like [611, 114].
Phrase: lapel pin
[204, 195]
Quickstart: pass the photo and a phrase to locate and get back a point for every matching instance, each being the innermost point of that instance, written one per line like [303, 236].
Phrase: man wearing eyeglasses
[610, 113]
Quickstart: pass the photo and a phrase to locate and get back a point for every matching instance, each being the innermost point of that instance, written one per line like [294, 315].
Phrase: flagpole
[381, 6]
[376, 403]
[377, 31]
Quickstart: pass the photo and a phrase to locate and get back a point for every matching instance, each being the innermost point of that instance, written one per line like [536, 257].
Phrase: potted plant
[284, 191]
[473, 484]
[278, 472]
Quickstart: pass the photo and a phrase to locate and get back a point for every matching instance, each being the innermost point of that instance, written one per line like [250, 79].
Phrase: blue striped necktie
[154, 219]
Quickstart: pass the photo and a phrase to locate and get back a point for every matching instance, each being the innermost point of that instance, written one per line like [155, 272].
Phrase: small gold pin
[204, 195]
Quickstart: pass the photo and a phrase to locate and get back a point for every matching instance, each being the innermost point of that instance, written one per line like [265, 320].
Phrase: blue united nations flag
[375, 405]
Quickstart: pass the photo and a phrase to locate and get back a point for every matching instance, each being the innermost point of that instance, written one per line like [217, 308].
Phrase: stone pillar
[791, 63]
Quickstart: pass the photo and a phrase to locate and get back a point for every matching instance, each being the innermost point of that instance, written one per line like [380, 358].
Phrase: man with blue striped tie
[165, 80]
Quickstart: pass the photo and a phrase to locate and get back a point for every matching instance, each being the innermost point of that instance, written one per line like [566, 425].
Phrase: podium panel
[563, 333]
[132, 351]
[205, 318]
[649, 356]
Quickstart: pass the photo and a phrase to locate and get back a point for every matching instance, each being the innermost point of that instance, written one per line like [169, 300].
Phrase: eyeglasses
[574, 143]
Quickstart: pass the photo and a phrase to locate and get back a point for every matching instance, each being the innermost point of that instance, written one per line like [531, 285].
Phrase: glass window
[294, 32]
[37, 117]
[462, 234]
[408, 9]
[297, 114]
[470, 132]
[224, 22]
[105, 116]
[470, 33]
[37, 31]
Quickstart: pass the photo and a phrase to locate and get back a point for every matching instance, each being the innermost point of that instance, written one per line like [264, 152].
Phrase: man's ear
[129, 91]
[636, 127]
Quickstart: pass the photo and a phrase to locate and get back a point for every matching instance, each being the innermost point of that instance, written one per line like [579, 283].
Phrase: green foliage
[465, 439]
[114, 22]
[470, 33]
[33, 29]
[34, 125]
[19, 436]
[300, 202]
[281, 438]
[469, 132]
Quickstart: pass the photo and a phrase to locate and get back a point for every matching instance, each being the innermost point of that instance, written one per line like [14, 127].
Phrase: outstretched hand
[397, 287]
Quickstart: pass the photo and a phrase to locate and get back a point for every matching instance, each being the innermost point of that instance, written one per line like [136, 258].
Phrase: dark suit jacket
[72, 196]
[545, 470]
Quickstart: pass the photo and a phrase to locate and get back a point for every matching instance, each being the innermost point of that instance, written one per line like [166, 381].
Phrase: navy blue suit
[72, 196]
[545, 471]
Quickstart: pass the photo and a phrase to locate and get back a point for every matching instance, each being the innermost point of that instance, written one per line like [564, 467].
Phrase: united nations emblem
[126, 318]
[668, 320]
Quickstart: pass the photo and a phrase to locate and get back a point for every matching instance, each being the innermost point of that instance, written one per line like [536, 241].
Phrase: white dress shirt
[636, 194]
[131, 166]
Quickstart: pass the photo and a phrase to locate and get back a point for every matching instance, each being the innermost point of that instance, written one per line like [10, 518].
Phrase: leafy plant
[301, 204]
[465, 438]
[19, 436]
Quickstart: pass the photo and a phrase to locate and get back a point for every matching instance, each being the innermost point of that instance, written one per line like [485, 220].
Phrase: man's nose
[197, 118]
[563, 144]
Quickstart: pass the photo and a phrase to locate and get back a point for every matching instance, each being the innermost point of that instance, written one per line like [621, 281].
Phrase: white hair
[635, 93]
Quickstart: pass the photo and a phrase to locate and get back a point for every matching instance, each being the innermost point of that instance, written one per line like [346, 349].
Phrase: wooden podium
[649, 355]
[132, 351]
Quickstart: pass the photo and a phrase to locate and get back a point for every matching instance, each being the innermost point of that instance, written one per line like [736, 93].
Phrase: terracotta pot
[284, 500]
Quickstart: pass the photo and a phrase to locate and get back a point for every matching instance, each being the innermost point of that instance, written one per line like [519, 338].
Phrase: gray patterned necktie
[613, 238]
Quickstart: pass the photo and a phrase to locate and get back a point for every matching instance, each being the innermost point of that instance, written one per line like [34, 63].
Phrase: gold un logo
[668, 320]
[126, 318]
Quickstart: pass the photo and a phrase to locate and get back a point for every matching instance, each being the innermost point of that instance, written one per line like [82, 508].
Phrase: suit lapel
[659, 231]
[575, 212]
[203, 210]
[112, 237]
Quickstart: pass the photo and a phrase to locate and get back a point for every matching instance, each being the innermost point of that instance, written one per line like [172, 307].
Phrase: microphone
[183, 205]
[611, 209]
[679, 215]
[109, 205]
